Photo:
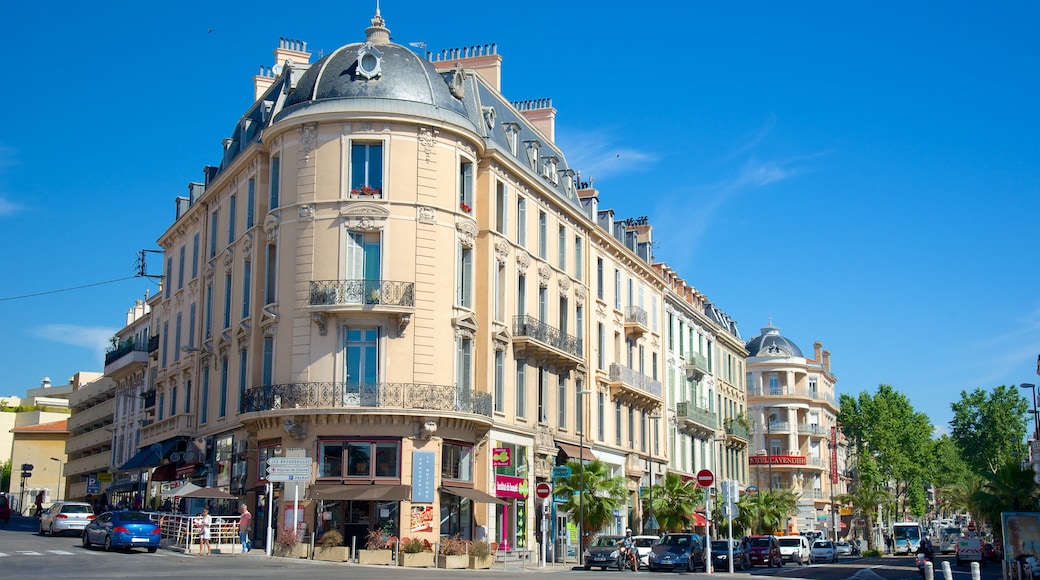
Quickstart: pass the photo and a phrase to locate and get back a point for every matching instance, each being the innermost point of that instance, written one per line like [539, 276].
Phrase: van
[794, 549]
[970, 550]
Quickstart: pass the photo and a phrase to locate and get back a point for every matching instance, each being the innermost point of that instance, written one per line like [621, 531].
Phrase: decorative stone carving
[464, 333]
[271, 227]
[456, 83]
[489, 117]
[580, 292]
[523, 260]
[499, 345]
[565, 285]
[402, 323]
[229, 260]
[467, 232]
[544, 275]
[502, 250]
[426, 215]
[319, 319]
[308, 136]
[364, 216]
[305, 212]
[427, 138]
[247, 244]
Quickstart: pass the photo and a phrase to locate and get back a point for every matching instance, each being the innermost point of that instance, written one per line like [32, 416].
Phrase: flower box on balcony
[465, 207]
[366, 191]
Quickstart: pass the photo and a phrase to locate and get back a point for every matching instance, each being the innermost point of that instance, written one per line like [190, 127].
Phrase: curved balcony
[346, 296]
[448, 400]
[536, 340]
[635, 321]
[695, 421]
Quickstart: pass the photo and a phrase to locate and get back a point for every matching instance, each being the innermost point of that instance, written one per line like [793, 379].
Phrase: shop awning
[165, 472]
[575, 452]
[472, 494]
[124, 486]
[698, 520]
[150, 456]
[361, 492]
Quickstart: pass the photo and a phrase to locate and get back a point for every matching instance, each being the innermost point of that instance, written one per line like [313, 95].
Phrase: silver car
[66, 516]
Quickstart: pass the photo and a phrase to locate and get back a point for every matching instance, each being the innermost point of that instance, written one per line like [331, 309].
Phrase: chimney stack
[816, 346]
[827, 360]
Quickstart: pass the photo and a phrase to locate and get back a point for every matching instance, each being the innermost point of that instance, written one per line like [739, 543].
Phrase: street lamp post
[581, 470]
[1036, 422]
[61, 484]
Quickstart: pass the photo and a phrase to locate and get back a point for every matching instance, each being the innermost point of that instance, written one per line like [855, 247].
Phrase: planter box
[480, 563]
[420, 560]
[456, 561]
[298, 551]
[381, 557]
[332, 554]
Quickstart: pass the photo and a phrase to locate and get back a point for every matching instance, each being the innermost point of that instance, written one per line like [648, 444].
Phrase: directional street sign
[289, 470]
[287, 477]
[288, 461]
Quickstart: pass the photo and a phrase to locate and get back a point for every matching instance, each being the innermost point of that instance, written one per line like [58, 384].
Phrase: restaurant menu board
[422, 476]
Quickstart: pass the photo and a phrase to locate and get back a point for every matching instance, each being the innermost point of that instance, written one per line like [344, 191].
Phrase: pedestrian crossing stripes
[85, 553]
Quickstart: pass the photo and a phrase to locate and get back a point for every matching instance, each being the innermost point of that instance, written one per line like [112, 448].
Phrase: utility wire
[64, 289]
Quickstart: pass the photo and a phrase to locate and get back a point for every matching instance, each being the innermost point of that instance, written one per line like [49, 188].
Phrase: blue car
[122, 529]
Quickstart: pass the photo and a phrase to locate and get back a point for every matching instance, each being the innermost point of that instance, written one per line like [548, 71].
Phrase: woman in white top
[207, 523]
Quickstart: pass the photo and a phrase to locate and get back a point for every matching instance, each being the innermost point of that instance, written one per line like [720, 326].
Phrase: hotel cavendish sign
[777, 460]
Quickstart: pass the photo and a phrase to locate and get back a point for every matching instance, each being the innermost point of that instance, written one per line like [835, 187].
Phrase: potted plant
[287, 545]
[465, 207]
[452, 553]
[479, 555]
[377, 550]
[366, 191]
[330, 548]
[415, 553]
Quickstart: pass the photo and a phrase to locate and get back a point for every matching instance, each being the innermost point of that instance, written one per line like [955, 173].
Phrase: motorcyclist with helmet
[628, 550]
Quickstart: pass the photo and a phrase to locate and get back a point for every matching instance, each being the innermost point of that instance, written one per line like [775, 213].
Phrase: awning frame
[360, 492]
[576, 451]
[472, 494]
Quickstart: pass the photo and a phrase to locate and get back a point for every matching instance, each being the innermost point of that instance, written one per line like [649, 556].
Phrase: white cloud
[597, 156]
[92, 338]
[8, 207]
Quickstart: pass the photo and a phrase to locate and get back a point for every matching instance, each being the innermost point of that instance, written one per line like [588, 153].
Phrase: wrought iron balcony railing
[636, 315]
[690, 411]
[627, 376]
[404, 396]
[362, 292]
[124, 348]
[532, 327]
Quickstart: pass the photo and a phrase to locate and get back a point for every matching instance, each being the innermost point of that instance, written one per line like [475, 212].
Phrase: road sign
[288, 461]
[92, 485]
[543, 490]
[289, 470]
[561, 471]
[288, 477]
[705, 478]
[971, 526]
[751, 489]
[1034, 445]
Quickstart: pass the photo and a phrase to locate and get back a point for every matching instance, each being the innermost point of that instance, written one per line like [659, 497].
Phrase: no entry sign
[705, 478]
[543, 490]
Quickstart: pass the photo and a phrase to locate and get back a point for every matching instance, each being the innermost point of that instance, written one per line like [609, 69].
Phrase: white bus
[906, 537]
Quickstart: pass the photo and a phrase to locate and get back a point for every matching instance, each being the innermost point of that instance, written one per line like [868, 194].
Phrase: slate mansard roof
[770, 343]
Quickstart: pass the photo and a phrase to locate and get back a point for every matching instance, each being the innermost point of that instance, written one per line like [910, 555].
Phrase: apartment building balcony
[636, 321]
[343, 297]
[96, 415]
[797, 392]
[94, 439]
[696, 421]
[94, 463]
[633, 387]
[179, 425]
[813, 430]
[373, 398]
[126, 354]
[153, 346]
[533, 339]
[737, 436]
[696, 366]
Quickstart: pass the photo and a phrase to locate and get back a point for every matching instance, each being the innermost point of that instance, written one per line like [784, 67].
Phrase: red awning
[165, 472]
[699, 520]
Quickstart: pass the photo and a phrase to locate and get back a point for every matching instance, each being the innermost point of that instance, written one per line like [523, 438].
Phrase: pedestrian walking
[205, 522]
[244, 522]
[39, 505]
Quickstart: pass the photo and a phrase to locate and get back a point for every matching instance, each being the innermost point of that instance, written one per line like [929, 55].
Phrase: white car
[795, 549]
[844, 548]
[823, 551]
[66, 516]
[644, 545]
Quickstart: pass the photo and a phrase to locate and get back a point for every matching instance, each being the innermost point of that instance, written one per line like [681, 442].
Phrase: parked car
[844, 548]
[644, 545]
[65, 516]
[603, 553]
[794, 549]
[5, 509]
[122, 529]
[992, 552]
[765, 551]
[823, 551]
[678, 552]
[720, 556]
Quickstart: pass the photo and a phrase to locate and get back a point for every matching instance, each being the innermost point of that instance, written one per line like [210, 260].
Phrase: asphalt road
[23, 554]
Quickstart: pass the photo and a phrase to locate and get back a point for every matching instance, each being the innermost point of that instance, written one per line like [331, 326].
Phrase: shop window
[360, 459]
[457, 462]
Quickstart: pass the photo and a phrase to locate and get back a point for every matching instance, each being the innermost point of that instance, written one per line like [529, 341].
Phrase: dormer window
[532, 148]
[512, 131]
[550, 169]
[369, 62]
[568, 181]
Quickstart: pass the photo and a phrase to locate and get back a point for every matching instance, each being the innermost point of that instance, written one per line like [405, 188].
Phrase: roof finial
[377, 33]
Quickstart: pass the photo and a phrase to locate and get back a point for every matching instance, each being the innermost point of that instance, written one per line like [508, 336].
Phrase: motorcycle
[628, 558]
[922, 559]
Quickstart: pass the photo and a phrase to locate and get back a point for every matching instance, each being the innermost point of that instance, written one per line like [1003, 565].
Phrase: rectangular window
[465, 364]
[521, 221]
[180, 267]
[599, 278]
[466, 185]
[543, 304]
[456, 462]
[247, 286]
[250, 202]
[601, 416]
[227, 301]
[501, 205]
[209, 311]
[542, 396]
[232, 209]
[204, 396]
[521, 389]
[366, 169]
[267, 370]
[271, 281]
[671, 332]
[617, 289]
[465, 290]
[195, 255]
[359, 459]
[276, 177]
[500, 297]
[191, 324]
[579, 326]
[521, 295]
[168, 278]
[177, 338]
[631, 428]
[243, 373]
[561, 249]
[165, 341]
[561, 402]
[362, 360]
[601, 340]
[214, 225]
[500, 381]
[617, 423]
[579, 260]
[187, 397]
[223, 387]
[579, 408]
[543, 234]
[642, 431]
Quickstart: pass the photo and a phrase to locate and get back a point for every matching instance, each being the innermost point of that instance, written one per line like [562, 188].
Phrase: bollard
[976, 573]
[947, 571]
[929, 570]
[353, 548]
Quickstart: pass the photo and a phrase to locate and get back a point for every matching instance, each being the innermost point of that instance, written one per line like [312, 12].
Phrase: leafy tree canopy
[989, 427]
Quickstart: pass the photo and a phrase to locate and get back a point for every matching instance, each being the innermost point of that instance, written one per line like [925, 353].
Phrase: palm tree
[865, 499]
[766, 512]
[675, 501]
[603, 494]
[1009, 489]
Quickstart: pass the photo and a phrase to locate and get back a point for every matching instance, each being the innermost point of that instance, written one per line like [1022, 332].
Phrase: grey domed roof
[770, 343]
[395, 73]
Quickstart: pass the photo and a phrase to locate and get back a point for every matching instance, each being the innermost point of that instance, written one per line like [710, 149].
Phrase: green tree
[5, 476]
[867, 492]
[989, 427]
[765, 512]
[603, 493]
[675, 501]
[1008, 489]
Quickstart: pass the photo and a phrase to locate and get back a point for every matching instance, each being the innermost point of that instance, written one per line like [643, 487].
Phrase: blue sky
[866, 174]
